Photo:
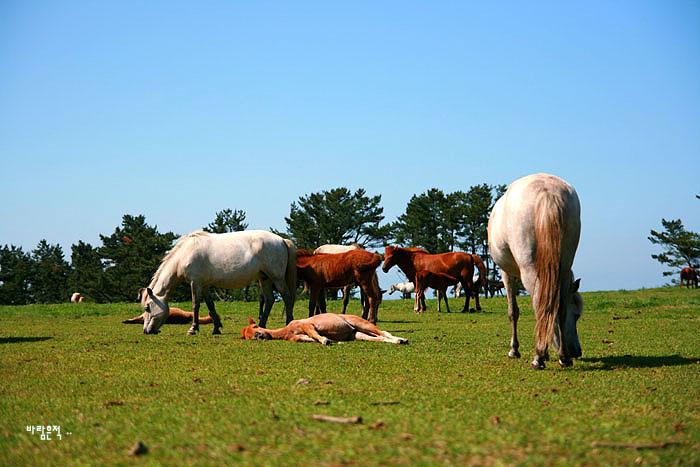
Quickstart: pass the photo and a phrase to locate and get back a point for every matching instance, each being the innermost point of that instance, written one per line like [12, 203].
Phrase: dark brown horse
[433, 280]
[410, 260]
[689, 276]
[321, 271]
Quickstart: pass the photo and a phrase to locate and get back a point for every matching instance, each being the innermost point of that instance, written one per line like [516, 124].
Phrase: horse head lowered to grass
[533, 234]
[230, 261]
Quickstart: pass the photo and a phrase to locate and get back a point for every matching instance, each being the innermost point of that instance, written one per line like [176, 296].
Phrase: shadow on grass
[396, 321]
[638, 361]
[16, 340]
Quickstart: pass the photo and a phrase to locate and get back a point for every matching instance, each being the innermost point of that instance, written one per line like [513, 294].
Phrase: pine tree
[681, 247]
[15, 276]
[49, 282]
[131, 256]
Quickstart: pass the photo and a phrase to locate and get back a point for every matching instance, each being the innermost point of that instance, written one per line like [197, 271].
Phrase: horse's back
[513, 223]
[233, 259]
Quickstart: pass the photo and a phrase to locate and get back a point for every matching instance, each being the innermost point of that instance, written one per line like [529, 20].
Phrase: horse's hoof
[513, 354]
[566, 362]
[216, 331]
[535, 365]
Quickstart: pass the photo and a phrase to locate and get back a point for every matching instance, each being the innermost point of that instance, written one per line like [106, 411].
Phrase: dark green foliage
[681, 247]
[131, 256]
[227, 221]
[85, 275]
[337, 216]
[442, 222]
[425, 222]
[15, 276]
[49, 280]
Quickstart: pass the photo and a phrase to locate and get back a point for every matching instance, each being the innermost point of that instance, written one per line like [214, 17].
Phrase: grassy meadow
[450, 397]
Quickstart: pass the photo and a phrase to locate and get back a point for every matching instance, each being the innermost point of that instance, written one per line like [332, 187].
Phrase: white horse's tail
[290, 275]
[548, 231]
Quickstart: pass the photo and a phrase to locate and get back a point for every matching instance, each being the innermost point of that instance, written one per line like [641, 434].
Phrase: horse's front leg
[447, 305]
[196, 300]
[439, 294]
[416, 307]
[212, 312]
[513, 313]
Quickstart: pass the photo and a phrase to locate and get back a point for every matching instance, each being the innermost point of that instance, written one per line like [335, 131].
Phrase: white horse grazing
[230, 261]
[76, 298]
[406, 289]
[533, 234]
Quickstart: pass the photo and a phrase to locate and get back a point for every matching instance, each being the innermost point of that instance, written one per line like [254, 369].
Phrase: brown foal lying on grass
[325, 328]
[176, 316]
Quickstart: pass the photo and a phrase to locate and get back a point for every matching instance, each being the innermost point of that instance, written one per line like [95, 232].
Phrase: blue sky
[177, 110]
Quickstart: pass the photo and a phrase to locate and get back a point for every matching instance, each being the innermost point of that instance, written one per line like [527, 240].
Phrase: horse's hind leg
[447, 305]
[346, 297]
[196, 288]
[266, 290]
[212, 312]
[287, 298]
[513, 313]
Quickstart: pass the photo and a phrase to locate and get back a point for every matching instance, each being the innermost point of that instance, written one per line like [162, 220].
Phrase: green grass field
[450, 397]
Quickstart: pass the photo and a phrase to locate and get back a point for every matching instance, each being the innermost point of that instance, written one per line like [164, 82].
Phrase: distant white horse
[230, 261]
[76, 298]
[406, 289]
[533, 234]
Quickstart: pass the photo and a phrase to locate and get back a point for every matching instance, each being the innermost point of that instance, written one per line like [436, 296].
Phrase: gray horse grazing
[230, 261]
[533, 234]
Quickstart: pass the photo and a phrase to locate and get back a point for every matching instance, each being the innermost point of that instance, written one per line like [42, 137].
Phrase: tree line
[127, 259]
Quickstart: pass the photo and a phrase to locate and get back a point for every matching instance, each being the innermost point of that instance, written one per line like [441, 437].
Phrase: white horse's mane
[173, 251]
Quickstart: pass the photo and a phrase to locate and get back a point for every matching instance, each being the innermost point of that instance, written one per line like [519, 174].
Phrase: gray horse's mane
[173, 251]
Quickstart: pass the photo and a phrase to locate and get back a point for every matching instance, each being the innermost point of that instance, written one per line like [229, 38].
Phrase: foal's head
[253, 331]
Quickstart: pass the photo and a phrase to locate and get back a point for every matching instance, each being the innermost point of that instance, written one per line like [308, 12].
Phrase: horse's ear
[575, 286]
[150, 291]
[251, 321]
[140, 293]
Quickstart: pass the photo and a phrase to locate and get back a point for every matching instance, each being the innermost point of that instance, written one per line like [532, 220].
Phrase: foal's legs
[444, 295]
[212, 311]
[510, 283]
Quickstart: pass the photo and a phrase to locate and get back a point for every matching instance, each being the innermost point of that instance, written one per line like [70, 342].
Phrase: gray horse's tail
[548, 231]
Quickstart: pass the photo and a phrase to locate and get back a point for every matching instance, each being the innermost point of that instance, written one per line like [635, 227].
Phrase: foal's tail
[548, 232]
[290, 274]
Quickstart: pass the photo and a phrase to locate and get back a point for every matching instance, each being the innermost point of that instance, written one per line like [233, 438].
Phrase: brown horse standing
[458, 265]
[689, 276]
[434, 280]
[321, 271]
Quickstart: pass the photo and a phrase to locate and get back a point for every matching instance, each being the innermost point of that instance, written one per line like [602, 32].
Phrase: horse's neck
[165, 282]
[281, 333]
[406, 264]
